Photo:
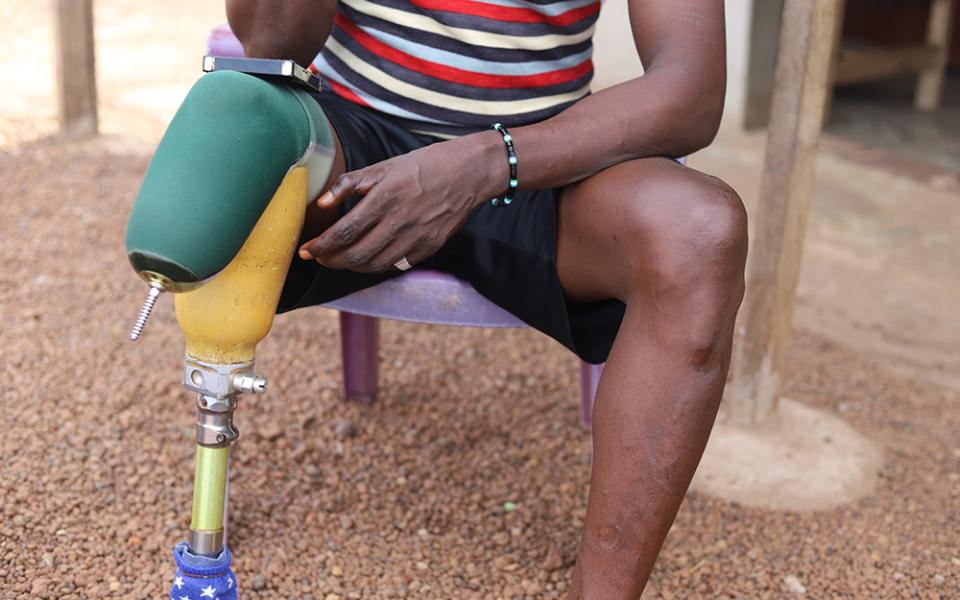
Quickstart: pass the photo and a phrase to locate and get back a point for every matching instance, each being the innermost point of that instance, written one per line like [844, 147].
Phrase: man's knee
[694, 234]
[718, 222]
[687, 259]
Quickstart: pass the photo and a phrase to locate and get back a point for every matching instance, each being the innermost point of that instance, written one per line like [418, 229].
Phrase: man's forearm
[294, 29]
[658, 114]
[672, 110]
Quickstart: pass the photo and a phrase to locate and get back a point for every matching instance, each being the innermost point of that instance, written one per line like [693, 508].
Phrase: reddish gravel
[401, 500]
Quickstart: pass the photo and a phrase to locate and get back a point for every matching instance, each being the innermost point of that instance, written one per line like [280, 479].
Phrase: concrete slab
[803, 459]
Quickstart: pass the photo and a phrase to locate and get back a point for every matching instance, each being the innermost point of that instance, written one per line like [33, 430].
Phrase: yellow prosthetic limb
[222, 322]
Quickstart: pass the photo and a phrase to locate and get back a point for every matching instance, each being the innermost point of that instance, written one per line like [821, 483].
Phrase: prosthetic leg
[217, 221]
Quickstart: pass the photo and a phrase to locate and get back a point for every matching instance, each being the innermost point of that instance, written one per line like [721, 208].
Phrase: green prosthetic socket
[222, 158]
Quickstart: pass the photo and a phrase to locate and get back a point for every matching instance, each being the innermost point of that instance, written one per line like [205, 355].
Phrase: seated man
[609, 245]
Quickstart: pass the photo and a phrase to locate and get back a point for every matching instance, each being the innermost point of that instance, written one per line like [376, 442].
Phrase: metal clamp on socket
[221, 381]
[217, 387]
[215, 429]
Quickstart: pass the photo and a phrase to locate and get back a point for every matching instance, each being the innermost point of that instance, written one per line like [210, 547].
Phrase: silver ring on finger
[403, 264]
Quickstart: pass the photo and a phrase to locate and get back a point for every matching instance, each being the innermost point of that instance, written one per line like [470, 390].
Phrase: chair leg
[589, 380]
[359, 337]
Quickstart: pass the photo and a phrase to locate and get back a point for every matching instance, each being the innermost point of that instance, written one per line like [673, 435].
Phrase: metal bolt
[249, 384]
[221, 438]
[148, 305]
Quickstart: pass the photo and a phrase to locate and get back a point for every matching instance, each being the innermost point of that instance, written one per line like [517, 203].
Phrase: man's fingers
[407, 244]
[348, 184]
[346, 229]
[338, 236]
[345, 232]
[360, 256]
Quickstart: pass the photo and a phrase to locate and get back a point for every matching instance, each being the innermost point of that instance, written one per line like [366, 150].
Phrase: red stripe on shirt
[346, 93]
[455, 75]
[508, 13]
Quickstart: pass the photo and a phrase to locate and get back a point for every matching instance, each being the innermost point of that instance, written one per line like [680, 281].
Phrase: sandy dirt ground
[405, 499]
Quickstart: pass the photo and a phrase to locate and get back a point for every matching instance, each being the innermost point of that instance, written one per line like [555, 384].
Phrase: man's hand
[411, 203]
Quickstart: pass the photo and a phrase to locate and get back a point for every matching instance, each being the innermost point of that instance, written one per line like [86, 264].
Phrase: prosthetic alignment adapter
[217, 220]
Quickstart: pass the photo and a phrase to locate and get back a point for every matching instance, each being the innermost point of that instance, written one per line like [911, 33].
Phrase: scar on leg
[705, 358]
[608, 539]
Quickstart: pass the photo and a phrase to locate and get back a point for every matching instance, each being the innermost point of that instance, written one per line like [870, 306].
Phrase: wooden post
[835, 57]
[76, 72]
[939, 28]
[764, 33]
[799, 97]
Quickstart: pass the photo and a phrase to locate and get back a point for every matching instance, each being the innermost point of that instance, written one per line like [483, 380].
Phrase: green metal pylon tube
[207, 524]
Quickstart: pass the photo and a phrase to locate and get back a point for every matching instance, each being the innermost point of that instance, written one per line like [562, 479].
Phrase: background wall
[616, 57]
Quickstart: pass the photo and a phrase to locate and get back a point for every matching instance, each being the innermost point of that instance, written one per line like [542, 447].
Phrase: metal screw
[249, 384]
[221, 438]
[148, 305]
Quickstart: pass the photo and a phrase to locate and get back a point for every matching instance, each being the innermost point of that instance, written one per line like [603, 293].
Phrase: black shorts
[508, 254]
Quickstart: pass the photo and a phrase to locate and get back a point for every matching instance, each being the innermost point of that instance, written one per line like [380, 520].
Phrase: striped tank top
[451, 67]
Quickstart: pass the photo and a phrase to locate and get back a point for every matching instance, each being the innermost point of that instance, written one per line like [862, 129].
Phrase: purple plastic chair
[420, 296]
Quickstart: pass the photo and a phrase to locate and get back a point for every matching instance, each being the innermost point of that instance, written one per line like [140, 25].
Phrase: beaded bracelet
[512, 160]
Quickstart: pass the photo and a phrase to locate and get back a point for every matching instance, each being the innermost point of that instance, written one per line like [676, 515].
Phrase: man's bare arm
[673, 110]
[294, 29]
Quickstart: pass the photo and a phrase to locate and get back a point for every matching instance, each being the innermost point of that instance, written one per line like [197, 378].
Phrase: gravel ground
[405, 499]
[401, 500]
